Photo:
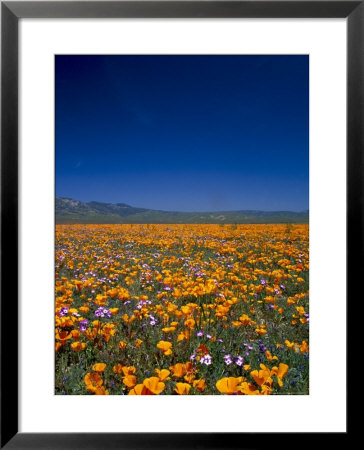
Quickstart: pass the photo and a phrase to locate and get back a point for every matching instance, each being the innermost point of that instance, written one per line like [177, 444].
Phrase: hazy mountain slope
[74, 211]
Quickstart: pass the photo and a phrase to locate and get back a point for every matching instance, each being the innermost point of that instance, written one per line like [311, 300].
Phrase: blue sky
[184, 133]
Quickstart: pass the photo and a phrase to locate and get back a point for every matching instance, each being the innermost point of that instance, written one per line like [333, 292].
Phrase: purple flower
[239, 361]
[263, 282]
[83, 325]
[208, 336]
[228, 360]
[193, 357]
[102, 312]
[63, 311]
[206, 359]
[153, 320]
[199, 333]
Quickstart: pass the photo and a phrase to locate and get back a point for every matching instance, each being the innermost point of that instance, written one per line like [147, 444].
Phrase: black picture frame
[11, 12]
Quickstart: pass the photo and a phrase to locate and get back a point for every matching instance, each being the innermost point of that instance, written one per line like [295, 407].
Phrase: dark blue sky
[184, 133]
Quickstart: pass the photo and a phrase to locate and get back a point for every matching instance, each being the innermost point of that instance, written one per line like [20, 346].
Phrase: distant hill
[70, 211]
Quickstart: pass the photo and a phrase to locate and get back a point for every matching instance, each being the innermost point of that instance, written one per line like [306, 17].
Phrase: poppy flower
[228, 385]
[245, 320]
[122, 345]
[189, 377]
[93, 381]
[184, 335]
[248, 389]
[138, 343]
[182, 388]
[178, 370]
[190, 323]
[280, 372]
[129, 370]
[165, 347]
[75, 334]
[118, 368]
[154, 385]
[101, 391]
[129, 381]
[199, 385]
[262, 376]
[77, 346]
[269, 356]
[140, 389]
[63, 337]
[168, 329]
[163, 374]
[203, 349]
[99, 367]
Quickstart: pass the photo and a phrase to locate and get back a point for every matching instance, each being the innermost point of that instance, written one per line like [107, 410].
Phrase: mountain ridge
[70, 211]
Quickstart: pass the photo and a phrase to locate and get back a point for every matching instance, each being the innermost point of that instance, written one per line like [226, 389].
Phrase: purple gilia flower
[206, 359]
[153, 320]
[208, 336]
[192, 357]
[227, 359]
[63, 311]
[199, 333]
[83, 325]
[239, 361]
[102, 312]
[263, 281]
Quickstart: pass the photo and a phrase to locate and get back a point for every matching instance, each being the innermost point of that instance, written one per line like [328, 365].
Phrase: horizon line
[188, 212]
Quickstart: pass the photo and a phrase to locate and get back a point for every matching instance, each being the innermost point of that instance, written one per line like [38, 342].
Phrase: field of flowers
[182, 309]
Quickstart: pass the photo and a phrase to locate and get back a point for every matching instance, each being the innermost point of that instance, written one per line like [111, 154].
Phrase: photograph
[181, 224]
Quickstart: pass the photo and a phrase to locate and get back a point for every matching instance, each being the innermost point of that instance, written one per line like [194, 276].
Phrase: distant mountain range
[70, 211]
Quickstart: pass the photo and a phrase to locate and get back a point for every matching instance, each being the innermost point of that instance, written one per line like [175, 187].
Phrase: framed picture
[169, 157]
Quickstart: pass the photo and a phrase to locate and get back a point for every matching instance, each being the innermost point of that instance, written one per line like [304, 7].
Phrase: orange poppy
[129, 380]
[99, 367]
[182, 388]
[165, 347]
[154, 385]
[229, 385]
[178, 370]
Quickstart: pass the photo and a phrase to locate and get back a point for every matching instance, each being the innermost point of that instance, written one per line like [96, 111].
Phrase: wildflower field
[182, 309]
